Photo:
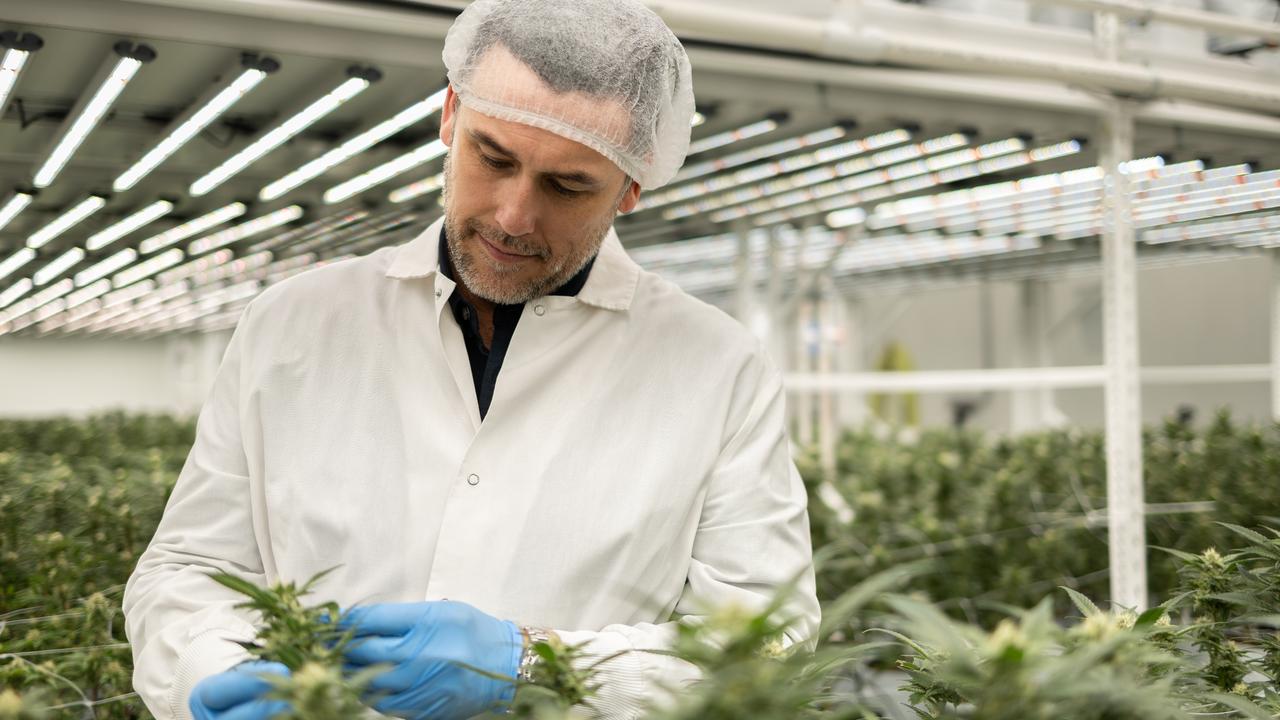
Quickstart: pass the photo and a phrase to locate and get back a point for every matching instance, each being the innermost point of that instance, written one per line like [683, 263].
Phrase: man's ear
[630, 198]
[448, 116]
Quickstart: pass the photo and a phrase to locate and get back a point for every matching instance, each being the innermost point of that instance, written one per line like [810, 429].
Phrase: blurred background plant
[1010, 520]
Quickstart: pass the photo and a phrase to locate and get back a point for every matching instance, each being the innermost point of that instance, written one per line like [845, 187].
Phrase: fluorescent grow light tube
[145, 216]
[356, 145]
[386, 171]
[15, 291]
[125, 60]
[16, 204]
[17, 49]
[417, 189]
[244, 230]
[192, 227]
[106, 267]
[84, 295]
[57, 267]
[248, 72]
[772, 169]
[14, 262]
[66, 221]
[358, 80]
[773, 149]
[732, 136]
[147, 268]
[896, 160]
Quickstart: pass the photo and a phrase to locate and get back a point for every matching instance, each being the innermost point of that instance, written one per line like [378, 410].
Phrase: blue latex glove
[430, 648]
[237, 694]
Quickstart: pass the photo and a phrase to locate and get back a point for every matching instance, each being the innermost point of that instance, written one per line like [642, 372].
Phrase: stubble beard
[502, 285]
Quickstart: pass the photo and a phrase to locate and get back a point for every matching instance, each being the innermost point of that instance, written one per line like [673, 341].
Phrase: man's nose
[517, 209]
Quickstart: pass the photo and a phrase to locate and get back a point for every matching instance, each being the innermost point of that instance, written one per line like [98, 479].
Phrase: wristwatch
[530, 657]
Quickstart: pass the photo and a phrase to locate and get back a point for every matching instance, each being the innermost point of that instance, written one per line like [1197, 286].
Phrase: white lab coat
[634, 463]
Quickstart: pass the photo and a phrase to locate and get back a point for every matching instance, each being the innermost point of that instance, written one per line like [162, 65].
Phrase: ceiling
[196, 47]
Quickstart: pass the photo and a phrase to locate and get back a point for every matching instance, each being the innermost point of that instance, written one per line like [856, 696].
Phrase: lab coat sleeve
[752, 540]
[182, 625]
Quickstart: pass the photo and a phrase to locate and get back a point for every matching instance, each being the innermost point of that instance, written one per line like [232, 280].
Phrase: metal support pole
[745, 269]
[828, 431]
[1127, 529]
[1275, 334]
[1031, 408]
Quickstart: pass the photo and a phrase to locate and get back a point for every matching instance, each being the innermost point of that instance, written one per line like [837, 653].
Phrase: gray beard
[489, 284]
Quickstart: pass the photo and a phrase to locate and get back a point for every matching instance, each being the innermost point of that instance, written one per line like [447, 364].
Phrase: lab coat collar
[611, 284]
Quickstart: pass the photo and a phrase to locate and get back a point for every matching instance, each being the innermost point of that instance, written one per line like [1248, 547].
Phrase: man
[506, 412]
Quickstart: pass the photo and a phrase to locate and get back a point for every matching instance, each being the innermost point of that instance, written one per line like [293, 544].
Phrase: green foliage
[1015, 517]
[1003, 520]
[79, 500]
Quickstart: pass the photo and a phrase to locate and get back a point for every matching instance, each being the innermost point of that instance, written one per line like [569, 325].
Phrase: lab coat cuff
[210, 652]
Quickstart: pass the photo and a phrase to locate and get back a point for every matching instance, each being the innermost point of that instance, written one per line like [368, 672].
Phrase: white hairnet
[605, 73]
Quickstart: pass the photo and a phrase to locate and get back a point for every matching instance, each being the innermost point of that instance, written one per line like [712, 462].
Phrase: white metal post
[828, 431]
[745, 268]
[1125, 514]
[1275, 334]
[1030, 409]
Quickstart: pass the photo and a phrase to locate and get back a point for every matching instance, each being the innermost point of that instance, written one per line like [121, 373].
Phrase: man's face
[525, 209]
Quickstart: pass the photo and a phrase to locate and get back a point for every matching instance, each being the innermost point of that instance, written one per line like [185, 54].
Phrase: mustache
[504, 241]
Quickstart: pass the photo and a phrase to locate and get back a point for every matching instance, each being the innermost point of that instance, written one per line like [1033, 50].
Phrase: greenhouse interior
[981, 299]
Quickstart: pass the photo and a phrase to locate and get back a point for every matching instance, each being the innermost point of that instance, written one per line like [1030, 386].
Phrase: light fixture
[56, 267]
[17, 49]
[19, 201]
[65, 221]
[859, 189]
[243, 76]
[765, 171]
[106, 267]
[145, 216]
[848, 175]
[760, 127]
[355, 145]
[358, 78]
[422, 187]
[846, 218]
[147, 268]
[244, 230]
[773, 149]
[111, 80]
[187, 229]
[15, 291]
[84, 295]
[385, 171]
[15, 261]
[697, 119]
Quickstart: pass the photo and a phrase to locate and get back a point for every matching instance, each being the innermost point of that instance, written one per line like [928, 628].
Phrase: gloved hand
[431, 648]
[237, 694]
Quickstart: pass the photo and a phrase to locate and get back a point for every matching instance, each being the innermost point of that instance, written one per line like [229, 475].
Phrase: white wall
[1203, 314]
[80, 376]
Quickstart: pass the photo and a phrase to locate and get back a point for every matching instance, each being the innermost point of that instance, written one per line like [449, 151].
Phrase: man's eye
[493, 163]
[564, 190]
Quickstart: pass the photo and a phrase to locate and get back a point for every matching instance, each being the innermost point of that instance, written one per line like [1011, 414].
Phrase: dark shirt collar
[570, 289]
